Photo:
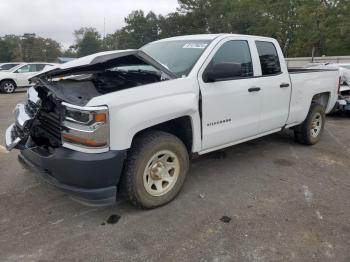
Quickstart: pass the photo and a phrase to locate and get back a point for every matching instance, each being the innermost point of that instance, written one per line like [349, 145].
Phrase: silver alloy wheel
[316, 125]
[161, 173]
[9, 87]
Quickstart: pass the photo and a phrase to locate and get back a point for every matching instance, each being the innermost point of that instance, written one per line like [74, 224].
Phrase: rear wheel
[310, 131]
[155, 170]
[8, 86]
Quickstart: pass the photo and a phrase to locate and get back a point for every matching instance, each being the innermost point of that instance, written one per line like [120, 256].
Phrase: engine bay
[79, 89]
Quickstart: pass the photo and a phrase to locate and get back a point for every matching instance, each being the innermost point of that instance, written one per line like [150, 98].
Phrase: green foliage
[10, 48]
[300, 26]
[70, 52]
[28, 48]
[88, 41]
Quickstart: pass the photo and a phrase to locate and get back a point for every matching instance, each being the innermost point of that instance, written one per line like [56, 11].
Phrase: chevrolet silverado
[129, 120]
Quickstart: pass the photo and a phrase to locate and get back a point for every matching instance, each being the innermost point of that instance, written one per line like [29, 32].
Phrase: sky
[57, 19]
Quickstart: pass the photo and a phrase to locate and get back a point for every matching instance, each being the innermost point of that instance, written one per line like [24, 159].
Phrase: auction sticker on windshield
[195, 45]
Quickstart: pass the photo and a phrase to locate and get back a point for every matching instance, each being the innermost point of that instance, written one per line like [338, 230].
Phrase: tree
[324, 27]
[87, 41]
[139, 30]
[36, 49]
[70, 52]
[300, 26]
[10, 48]
[28, 48]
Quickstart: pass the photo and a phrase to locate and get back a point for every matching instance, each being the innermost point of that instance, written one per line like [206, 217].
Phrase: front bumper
[344, 104]
[90, 178]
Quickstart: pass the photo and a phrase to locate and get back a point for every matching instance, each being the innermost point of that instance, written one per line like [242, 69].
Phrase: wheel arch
[181, 127]
[170, 112]
[321, 99]
[8, 79]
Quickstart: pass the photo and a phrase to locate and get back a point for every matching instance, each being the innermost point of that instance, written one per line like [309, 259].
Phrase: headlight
[86, 128]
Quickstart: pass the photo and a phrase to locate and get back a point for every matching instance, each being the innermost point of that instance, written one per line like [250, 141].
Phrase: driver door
[231, 107]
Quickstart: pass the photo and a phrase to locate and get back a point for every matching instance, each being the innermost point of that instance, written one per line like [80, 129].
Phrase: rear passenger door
[275, 85]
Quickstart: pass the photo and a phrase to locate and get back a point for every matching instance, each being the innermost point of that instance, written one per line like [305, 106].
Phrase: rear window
[40, 67]
[269, 61]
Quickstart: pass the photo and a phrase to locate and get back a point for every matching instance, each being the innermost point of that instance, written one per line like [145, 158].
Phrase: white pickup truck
[129, 120]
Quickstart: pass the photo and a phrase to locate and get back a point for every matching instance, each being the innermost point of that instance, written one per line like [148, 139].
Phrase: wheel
[8, 86]
[310, 131]
[155, 169]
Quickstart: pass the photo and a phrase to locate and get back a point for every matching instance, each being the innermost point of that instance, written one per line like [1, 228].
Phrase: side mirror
[222, 71]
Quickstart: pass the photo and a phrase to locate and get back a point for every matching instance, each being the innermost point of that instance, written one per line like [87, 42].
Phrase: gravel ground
[265, 200]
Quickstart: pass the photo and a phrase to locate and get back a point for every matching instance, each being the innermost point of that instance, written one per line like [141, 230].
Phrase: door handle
[283, 85]
[254, 89]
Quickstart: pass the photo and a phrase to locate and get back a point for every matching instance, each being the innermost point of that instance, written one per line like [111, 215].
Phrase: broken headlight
[88, 129]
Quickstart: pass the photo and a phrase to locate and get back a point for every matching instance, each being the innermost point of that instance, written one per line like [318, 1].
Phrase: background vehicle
[344, 69]
[18, 76]
[134, 129]
[8, 66]
[343, 103]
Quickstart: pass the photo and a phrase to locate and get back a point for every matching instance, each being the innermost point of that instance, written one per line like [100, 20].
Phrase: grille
[31, 108]
[51, 124]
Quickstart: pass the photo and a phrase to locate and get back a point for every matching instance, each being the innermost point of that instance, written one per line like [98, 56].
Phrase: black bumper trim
[90, 178]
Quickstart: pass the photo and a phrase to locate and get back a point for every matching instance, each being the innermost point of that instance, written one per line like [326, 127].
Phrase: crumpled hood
[107, 59]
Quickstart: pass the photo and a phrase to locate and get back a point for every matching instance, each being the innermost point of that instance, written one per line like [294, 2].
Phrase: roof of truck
[207, 37]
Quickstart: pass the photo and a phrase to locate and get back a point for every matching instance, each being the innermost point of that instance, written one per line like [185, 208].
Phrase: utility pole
[104, 27]
[104, 33]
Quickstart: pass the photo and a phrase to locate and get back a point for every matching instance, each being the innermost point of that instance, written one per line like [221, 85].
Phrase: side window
[7, 66]
[270, 63]
[23, 69]
[39, 67]
[237, 52]
[27, 69]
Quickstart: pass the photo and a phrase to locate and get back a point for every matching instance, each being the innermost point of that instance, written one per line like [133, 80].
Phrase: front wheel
[310, 131]
[7, 86]
[155, 169]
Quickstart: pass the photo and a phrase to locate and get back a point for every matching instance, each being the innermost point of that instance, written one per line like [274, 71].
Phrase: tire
[310, 131]
[8, 86]
[155, 169]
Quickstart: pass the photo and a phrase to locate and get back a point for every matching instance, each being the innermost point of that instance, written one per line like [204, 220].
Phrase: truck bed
[305, 84]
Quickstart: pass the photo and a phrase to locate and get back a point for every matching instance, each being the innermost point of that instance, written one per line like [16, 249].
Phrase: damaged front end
[55, 113]
[25, 115]
[47, 122]
[67, 141]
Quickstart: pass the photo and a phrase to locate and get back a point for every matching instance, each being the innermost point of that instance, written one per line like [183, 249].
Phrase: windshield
[179, 56]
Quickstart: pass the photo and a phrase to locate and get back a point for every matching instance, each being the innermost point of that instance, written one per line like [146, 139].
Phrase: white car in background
[8, 66]
[18, 76]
